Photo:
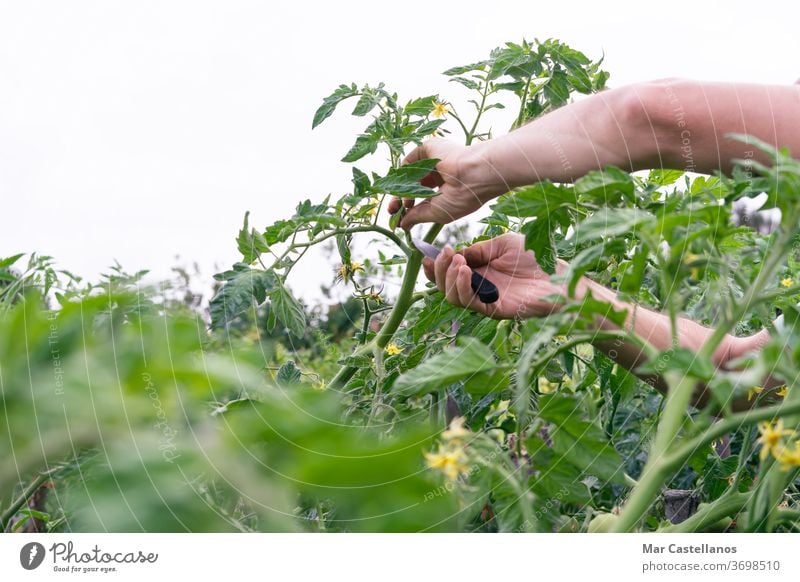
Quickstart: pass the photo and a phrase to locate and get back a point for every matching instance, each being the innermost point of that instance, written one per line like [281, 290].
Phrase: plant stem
[367, 228]
[404, 300]
[726, 506]
[32, 487]
[660, 465]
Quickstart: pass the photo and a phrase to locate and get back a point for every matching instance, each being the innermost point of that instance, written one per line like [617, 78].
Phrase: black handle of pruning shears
[485, 290]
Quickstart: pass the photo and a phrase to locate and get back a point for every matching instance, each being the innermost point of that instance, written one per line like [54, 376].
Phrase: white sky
[139, 131]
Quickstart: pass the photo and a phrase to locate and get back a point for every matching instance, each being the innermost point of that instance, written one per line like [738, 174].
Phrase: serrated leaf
[288, 374]
[420, 107]
[288, 310]
[607, 186]
[404, 181]
[539, 239]
[364, 145]
[537, 200]
[331, 101]
[250, 242]
[664, 177]
[361, 183]
[610, 222]
[8, 261]
[580, 442]
[461, 362]
[244, 289]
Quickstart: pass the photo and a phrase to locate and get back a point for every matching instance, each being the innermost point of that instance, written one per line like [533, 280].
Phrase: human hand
[465, 182]
[505, 262]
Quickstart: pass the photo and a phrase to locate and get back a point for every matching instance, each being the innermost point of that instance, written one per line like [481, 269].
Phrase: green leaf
[250, 243]
[288, 310]
[288, 374]
[331, 101]
[484, 383]
[429, 127]
[369, 99]
[470, 357]
[404, 181]
[580, 442]
[607, 186]
[664, 177]
[610, 222]
[361, 183]
[468, 83]
[539, 239]
[588, 259]
[244, 289]
[8, 261]
[480, 66]
[420, 107]
[555, 478]
[537, 200]
[365, 144]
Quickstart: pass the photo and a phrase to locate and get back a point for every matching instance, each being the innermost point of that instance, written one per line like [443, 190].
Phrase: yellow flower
[789, 457]
[346, 272]
[319, 385]
[456, 431]
[452, 461]
[439, 110]
[688, 258]
[771, 437]
[754, 391]
[782, 391]
[787, 282]
[545, 385]
[393, 349]
[376, 297]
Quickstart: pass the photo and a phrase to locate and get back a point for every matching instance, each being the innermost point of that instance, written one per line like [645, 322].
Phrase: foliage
[401, 412]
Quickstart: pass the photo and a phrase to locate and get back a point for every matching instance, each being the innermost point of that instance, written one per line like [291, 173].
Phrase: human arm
[524, 286]
[661, 124]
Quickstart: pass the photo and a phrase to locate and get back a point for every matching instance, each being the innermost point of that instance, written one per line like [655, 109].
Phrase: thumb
[428, 211]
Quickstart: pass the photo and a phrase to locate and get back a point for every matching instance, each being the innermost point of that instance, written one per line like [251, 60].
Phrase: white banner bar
[399, 557]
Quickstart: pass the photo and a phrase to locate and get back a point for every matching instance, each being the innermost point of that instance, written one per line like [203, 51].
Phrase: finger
[409, 203]
[428, 211]
[427, 266]
[466, 294]
[440, 266]
[464, 283]
[481, 253]
[451, 281]
[394, 205]
[417, 154]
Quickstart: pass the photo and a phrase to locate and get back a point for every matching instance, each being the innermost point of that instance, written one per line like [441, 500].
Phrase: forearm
[655, 329]
[672, 123]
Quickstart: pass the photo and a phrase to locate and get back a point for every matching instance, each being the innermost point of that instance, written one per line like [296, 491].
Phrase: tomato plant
[397, 411]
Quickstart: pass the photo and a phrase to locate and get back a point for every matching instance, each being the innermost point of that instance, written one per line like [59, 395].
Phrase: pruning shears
[485, 290]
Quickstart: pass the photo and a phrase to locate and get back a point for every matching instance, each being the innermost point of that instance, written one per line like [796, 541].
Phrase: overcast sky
[138, 131]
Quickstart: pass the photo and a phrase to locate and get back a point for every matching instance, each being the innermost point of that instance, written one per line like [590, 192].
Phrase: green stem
[405, 299]
[726, 506]
[656, 471]
[661, 464]
[368, 228]
[471, 135]
[32, 487]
